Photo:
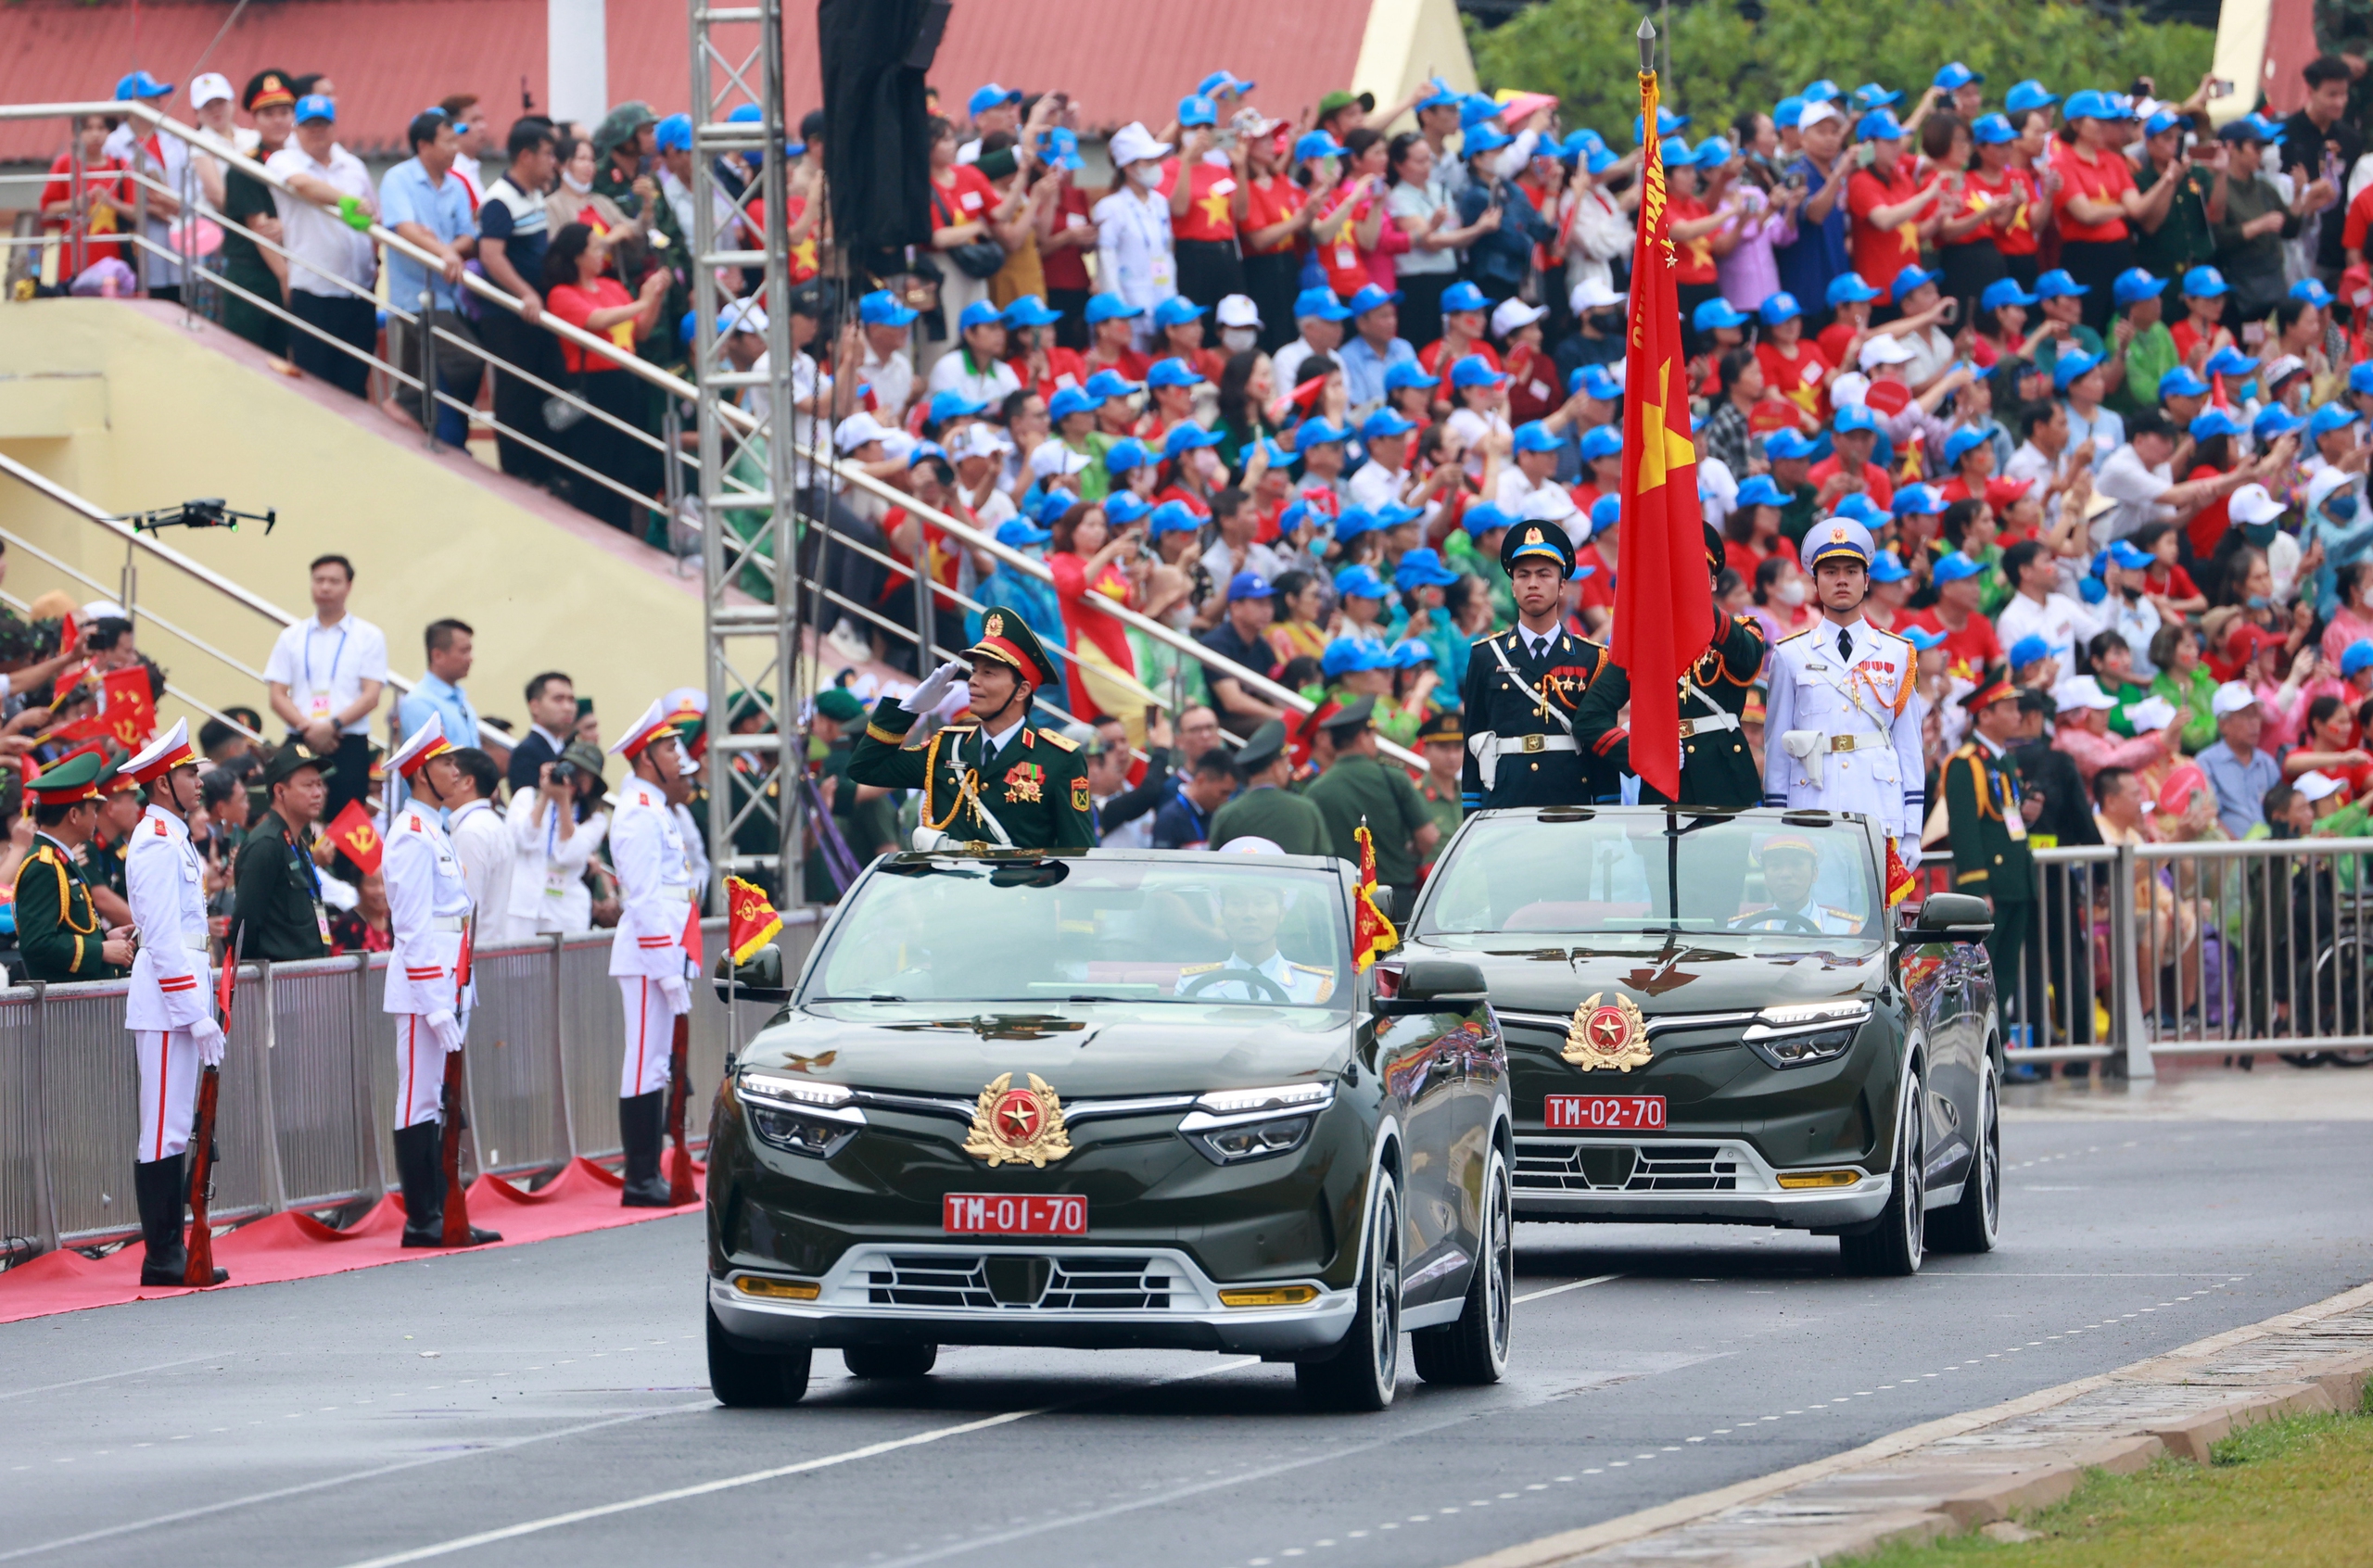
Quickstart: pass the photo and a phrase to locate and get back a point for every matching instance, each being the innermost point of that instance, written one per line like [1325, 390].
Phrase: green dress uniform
[1035, 786]
[1285, 819]
[1717, 765]
[57, 929]
[1357, 787]
[1991, 855]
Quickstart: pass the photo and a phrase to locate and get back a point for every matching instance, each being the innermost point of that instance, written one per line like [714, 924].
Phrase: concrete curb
[1965, 1471]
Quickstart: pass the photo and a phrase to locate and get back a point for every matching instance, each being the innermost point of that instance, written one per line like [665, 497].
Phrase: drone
[211, 512]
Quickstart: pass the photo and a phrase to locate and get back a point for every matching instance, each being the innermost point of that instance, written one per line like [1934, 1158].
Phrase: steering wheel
[1787, 919]
[1203, 982]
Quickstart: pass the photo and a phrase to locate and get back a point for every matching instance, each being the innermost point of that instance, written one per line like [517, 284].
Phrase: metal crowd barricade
[309, 1082]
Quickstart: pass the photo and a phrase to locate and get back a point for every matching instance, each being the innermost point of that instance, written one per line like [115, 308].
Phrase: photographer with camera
[555, 826]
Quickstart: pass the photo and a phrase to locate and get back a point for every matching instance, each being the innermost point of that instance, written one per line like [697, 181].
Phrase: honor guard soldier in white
[171, 1008]
[428, 907]
[1842, 722]
[656, 890]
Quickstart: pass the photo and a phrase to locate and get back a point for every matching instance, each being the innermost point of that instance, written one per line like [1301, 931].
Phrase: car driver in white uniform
[1251, 916]
[1791, 863]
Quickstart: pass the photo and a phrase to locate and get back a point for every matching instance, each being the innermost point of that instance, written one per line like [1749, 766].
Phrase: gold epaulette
[1063, 743]
[1201, 968]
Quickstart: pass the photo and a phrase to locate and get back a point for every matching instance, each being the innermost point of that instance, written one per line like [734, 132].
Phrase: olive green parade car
[1713, 1017]
[1111, 1099]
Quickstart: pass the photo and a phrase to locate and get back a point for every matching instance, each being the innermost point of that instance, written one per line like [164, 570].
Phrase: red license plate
[1014, 1214]
[1610, 1113]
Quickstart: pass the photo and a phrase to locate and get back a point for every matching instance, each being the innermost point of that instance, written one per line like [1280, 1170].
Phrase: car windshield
[1090, 930]
[1622, 871]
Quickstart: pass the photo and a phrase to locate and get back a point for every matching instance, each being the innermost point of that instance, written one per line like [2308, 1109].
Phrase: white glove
[953, 704]
[445, 1029]
[924, 698]
[208, 1036]
[1908, 851]
[679, 994]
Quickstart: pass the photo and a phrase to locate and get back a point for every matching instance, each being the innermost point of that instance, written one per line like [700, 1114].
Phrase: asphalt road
[549, 1404]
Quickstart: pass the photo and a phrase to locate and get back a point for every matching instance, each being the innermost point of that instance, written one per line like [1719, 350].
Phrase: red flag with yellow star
[1664, 601]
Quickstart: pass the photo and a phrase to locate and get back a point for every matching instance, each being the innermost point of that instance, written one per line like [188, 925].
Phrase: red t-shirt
[1799, 377]
[2360, 214]
[1065, 368]
[1880, 253]
[802, 255]
[2172, 581]
[967, 199]
[1067, 267]
[1598, 588]
[1267, 203]
[2102, 181]
[1695, 256]
[1088, 625]
[1534, 391]
[1969, 651]
[1740, 558]
[1435, 359]
[1208, 215]
[1834, 339]
[1346, 264]
[104, 178]
[1875, 482]
[942, 569]
[1130, 366]
[2016, 236]
[2209, 524]
[575, 306]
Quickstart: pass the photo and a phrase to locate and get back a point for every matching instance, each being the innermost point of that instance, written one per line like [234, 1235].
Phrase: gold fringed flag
[751, 921]
[1372, 934]
[1900, 880]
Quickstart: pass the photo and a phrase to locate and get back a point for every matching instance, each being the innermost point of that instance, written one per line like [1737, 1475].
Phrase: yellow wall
[130, 410]
[1407, 41]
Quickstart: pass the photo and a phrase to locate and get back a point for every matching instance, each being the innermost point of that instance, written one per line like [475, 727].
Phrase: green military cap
[1352, 715]
[1262, 748]
[285, 763]
[839, 704]
[113, 779]
[1007, 638]
[75, 779]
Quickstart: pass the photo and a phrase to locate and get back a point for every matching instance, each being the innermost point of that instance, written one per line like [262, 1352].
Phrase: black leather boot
[642, 1128]
[421, 1176]
[158, 1189]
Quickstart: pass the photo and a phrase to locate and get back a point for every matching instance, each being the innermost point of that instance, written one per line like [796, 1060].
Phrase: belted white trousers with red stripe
[420, 1070]
[168, 1090]
[650, 1032]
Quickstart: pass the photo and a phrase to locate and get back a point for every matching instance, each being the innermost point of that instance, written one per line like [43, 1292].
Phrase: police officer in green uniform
[57, 927]
[1265, 808]
[996, 780]
[1522, 689]
[276, 889]
[1358, 786]
[1717, 765]
[1988, 822]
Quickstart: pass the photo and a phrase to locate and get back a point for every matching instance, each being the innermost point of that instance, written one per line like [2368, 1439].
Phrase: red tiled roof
[1123, 60]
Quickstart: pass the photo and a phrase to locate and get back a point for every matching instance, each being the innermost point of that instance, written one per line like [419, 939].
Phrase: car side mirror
[1951, 916]
[760, 979]
[1435, 985]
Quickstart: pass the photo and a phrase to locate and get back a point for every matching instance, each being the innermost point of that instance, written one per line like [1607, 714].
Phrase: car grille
[1558, 1166]
[1022, 1282]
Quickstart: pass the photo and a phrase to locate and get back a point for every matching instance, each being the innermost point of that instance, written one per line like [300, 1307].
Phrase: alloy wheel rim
[1500, 1283]
[1990, 1152]
[1386, 1343]
[1915, 1180]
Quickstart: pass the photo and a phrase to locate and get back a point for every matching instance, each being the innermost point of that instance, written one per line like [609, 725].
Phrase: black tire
[745, 1382]
[1474, 1349]
[889, 1360]
[1365, 1368]
[1893, 1248]
[1975, 1222]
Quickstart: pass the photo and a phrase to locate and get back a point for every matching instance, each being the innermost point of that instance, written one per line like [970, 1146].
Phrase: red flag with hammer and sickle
[358, 836]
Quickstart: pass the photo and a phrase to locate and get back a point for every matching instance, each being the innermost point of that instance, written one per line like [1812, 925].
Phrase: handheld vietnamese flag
[692, 940]
[130, 707]
[751, 921]
[358, 836]
[1663, 600]
[1372, 933]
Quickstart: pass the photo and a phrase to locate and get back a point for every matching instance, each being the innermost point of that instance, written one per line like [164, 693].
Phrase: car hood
[1531, 974]
[1100, 1050]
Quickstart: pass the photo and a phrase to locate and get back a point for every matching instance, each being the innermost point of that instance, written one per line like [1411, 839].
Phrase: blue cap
[2069, 365]
[1921, 638]
[2331, 417]
[1787, 111]
[1871, 96]
[1606, 512]
[1197, 109]
[1712, 153]
[1820, 90]
[1348, 655]
[1422, 568]
[1667, 123]
[1320, 302]
[1031, 311]
[2001, 292]
[1173, 372]
[1069, 400]
[1124, 507]
[2229, 361]
[1907, 279]
[1477, 108]
[1854, 416]
[987, 96]
[1780, 307]
[2126, 557]
[1404, 374]
[1848, 288]
[2134, 284]
[1718, 313]
[1277, 455]
[1316, 144]
[945, 406]
[1917, 501]
[1595, 383]
[2311, 291]
[1879, 125]
[1474, 370]
[1602, 441]
[1462, 297]
[2210, 422]
[2030, 649]
[1172, 517]
[1839, 538]
[1885, 568]
[1221, 82]
[1861, 508]
[1020, 533]
[1110, 307]
[1439, 95]
[2182, 382]
[1350, 524]
[673, 134]
[1356, 582]
[2028, 94]
[1318, 433]
[2274, 422]
[1955, 75]
[1369, 298]
[140, 85]
[2091, 589]
[1961, 443]
[2205, 283]
[2356, 656]
[1062, 148]
[1481, 517]
[1052, 505]
[2087, 103]
[1410, 652]
[1759, 490]
[1992, 131]
[2360, 378]
[881, 309]
[1106, 384]
[2162, 122]
[979, 314]
[1535, 436]
[1393, 514]
[2252, 127]
[1126, 455]
[313, 107]
[1176, 310]
[1674, 150]
[2058, 284]
[1954, 567]
[1187, 437]
[1785, 445]
[1383, 424]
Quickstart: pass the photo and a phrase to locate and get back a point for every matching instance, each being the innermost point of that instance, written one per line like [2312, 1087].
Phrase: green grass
[2296, 1493]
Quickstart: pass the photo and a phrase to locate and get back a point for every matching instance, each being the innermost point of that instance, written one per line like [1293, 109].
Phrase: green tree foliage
[1582, 50]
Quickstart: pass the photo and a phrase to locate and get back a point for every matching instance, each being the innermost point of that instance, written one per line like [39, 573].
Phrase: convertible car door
[1425, 1077]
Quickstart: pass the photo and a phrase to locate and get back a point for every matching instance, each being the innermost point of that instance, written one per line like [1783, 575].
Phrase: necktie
[1845, 644]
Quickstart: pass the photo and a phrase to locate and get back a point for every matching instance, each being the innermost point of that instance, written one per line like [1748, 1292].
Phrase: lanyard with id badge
[312, 879]
[318, 709]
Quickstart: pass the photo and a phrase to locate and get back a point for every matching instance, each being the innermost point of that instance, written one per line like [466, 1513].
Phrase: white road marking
[1560, 1290]
[102, 1377]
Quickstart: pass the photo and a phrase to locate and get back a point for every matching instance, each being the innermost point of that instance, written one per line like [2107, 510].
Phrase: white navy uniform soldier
[169, 1009]
[1250, 915]
[428, 912]
[655, 892]
[1842, 721]
[683, 702]
[1791, 865]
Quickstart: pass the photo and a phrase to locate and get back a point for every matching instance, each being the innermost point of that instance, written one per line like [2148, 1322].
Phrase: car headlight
[1229, 1126]
[798, 1115]
[1801, 1033]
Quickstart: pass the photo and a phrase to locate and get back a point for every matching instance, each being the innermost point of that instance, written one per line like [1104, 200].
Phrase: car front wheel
[744, 1381]
[1363, 1371]
[1474, 1349]
[1893, 1248]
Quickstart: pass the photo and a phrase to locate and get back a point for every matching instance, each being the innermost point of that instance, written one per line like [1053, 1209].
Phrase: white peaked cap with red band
[653, 726]
[168, 751]
[426, 741]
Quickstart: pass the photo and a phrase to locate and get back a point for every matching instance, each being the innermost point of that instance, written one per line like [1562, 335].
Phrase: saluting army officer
[1523, 686]
[1842, 724]
[998, 780]
[1716, 767]
[57, 927]
[171, 1008]
[277, 909]
[655, 895]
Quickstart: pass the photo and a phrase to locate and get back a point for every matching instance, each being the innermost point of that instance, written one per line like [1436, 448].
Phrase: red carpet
[296, 1246]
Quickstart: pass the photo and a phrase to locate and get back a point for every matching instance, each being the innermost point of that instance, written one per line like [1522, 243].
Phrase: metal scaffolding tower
[748, 536]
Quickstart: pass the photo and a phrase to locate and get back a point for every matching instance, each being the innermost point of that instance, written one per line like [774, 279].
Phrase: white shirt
[324, 666]
[322, 248]
[1286, 364]
[2028, 462]
[483, 842]
[1374, 486]
[2061, 621]
[893, 382]
[952, 373]
[1134, 254]
[548, 891]
[1471, 428]
[2137, 490]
